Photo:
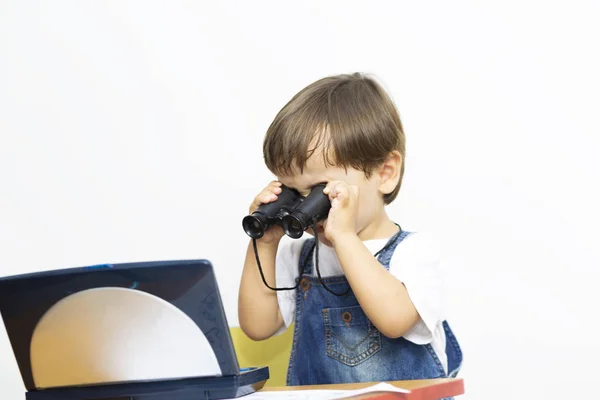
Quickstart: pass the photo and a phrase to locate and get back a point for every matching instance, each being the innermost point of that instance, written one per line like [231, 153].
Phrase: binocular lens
[293, 227]
[253, 226]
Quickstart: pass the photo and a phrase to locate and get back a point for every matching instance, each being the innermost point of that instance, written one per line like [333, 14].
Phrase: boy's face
[370, 200]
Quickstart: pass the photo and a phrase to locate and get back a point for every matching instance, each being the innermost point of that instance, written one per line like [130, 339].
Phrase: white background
[133, 130]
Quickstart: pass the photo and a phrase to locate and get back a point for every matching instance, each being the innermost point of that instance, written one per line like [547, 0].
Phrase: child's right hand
[269, 194]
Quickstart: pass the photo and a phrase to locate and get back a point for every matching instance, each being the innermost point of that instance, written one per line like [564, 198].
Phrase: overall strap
[305, 264]
[385, 256]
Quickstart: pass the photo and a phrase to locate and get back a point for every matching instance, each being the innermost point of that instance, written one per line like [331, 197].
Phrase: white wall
[132, 131]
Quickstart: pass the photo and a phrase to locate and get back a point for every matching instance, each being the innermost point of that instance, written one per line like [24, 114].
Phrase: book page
[323, 394]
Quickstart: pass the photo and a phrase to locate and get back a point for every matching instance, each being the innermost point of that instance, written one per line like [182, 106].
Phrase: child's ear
[389, 172]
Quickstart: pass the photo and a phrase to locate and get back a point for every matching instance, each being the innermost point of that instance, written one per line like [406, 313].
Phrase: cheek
[367, 208]
[368, 196]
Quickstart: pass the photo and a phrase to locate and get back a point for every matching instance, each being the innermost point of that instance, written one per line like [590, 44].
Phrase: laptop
[131, 331]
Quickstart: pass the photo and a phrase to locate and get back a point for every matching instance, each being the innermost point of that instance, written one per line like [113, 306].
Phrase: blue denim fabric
[335, 342]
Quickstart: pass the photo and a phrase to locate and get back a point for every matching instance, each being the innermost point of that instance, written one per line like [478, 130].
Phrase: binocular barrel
[291, 211]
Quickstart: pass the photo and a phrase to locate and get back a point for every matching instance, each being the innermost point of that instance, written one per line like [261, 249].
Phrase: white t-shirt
[415, 262]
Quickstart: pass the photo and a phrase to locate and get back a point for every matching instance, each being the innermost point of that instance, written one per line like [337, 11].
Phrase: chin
[322, 237]
[324, 241]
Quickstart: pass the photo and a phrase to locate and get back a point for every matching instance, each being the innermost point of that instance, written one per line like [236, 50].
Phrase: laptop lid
[106, 324]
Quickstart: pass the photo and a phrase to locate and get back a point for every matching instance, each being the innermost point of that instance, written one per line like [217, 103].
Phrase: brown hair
[351, 116]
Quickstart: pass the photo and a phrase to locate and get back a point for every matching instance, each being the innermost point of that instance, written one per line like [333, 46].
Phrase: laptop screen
[118, 323]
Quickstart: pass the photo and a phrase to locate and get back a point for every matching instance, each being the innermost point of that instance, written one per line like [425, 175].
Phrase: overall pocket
[350, 337]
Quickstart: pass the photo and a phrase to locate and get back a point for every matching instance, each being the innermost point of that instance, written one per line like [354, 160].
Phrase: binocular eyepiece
[291, 211]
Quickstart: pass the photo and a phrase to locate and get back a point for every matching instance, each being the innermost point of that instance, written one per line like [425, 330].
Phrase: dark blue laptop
[134, 331]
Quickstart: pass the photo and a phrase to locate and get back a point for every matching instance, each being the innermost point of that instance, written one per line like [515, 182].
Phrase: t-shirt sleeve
[416, 263]
[286, 272]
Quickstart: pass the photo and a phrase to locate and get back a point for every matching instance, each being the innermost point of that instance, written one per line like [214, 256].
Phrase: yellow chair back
[273, 352]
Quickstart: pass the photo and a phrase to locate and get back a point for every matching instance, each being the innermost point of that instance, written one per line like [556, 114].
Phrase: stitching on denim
[437, 360]
[373, 336]
[450, 335]
[326, 324]
[452, 338]
[346, 345]
[337, 279]
[358, 314]
[297, 323]
[374, 348]
[329, 325]
[356, 360]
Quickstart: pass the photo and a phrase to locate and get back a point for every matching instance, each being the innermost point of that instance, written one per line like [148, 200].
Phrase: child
[368, 308]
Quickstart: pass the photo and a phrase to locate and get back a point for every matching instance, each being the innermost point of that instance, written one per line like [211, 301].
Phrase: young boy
[375, 312]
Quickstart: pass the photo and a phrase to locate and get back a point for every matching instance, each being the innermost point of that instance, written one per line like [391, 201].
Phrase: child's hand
[269, 194]
[344, 203]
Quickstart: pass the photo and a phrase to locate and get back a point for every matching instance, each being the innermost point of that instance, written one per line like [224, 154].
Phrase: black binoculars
[291, 211]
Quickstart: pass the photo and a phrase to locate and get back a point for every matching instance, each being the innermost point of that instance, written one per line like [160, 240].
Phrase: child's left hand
[342, 215]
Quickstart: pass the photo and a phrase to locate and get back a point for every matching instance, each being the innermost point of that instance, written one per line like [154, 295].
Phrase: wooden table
[428, 389]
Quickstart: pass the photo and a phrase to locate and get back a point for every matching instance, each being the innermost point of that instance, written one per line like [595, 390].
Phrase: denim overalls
[335, 342]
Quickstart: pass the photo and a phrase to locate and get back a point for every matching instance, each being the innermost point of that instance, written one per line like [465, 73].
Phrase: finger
[343, 195]
[340, 191]
[268, 196]
[330, 186]
[274, 186]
